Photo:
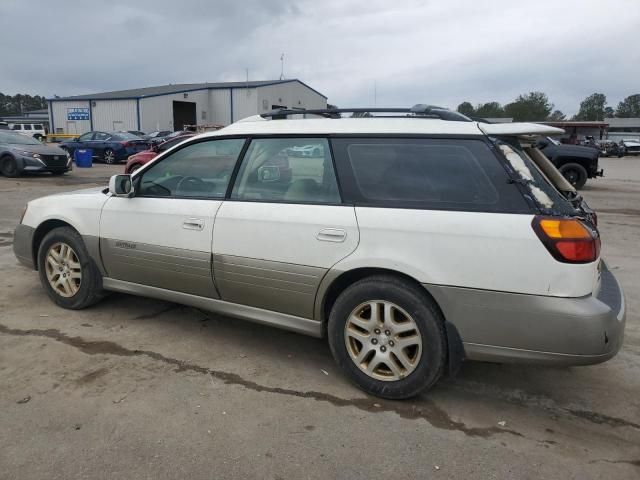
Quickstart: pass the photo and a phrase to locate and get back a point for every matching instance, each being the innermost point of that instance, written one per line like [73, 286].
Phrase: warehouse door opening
[184, 113]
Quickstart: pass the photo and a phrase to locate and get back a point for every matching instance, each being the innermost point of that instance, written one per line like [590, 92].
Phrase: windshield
[17, 139]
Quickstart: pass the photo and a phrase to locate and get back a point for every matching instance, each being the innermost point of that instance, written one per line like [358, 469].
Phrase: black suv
[575, 162]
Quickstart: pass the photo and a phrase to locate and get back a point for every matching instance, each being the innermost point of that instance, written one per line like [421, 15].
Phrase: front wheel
[67, 272]
[575, 174]
[9, 167]
[388, 336]
[109, 156]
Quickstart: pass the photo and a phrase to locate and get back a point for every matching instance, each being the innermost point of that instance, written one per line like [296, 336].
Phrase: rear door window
[288, 170]
[442, 174]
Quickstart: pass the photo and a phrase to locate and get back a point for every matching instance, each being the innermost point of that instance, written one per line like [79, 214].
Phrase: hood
[570, 150]
[40, 149]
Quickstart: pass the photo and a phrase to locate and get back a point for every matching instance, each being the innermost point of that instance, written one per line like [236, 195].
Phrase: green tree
[629, 107]
[557, 116]
[534, 106]
[467, 109]
[17, 104]
[489, 110]
[592, 108]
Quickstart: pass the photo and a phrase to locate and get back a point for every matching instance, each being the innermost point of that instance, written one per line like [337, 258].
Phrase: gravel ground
[139, 388]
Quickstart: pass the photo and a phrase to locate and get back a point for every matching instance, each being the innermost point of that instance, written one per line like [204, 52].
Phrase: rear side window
[442, 174]
[288, 170]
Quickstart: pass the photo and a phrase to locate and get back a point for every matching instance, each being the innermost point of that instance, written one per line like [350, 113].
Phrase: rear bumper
[22, 245]
[507, 327]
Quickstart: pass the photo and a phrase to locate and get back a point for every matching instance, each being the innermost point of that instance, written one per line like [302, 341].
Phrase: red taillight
[569, 240]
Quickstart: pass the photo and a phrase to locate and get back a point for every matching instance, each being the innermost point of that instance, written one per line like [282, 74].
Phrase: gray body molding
[508, 327]
[258, 315]
[185, 271]
[281, 287]
[23, 244]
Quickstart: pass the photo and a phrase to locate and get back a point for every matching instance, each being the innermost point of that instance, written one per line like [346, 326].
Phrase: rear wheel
[575, 174]
[388, 336]
[9, 167]
[109, 156]
[67, 272]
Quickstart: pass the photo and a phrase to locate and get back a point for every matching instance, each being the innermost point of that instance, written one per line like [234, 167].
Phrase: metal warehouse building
[170, 107]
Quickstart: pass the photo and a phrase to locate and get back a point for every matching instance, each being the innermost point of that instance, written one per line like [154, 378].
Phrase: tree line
[535, 106]
[18, 104]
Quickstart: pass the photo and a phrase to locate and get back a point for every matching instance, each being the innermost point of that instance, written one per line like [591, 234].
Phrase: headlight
[28, 154]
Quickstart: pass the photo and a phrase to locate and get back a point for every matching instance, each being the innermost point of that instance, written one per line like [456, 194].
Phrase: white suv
[35, 130]
[415, 239]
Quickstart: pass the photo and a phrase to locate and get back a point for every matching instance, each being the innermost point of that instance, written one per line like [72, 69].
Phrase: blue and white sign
[77, 114]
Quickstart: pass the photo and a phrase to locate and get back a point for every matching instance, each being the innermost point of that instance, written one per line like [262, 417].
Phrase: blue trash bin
[83, 157]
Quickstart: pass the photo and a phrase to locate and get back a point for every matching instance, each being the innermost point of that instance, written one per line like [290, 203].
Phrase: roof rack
[420, 110]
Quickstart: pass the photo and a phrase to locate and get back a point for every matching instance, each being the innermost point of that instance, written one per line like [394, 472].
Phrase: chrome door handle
[193, 224]
[332, 235]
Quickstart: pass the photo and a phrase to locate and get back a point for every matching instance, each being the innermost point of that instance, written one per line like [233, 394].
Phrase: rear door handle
[331, 235]
[193, 224]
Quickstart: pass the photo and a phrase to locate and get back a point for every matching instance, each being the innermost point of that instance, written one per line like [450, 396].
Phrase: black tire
[109, 156]
[575, 174]
[135, 167]
[90, 288]
[9, 167]
[424, 312]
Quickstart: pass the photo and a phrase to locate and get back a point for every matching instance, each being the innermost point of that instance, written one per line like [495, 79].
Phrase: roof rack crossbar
[419, 110]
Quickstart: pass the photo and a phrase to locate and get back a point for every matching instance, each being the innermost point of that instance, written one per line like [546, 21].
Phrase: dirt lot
[138, 388]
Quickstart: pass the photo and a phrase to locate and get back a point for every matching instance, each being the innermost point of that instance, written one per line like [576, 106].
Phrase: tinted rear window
[426, 173]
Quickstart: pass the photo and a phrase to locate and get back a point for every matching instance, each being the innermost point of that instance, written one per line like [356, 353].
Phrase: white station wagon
[412, 239]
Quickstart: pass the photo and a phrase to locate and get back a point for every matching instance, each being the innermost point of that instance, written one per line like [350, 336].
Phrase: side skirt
[252, 314]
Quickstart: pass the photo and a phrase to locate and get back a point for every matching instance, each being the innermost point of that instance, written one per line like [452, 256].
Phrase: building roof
[145, 92]
[499, 119]
[576, 123]
[623, 122]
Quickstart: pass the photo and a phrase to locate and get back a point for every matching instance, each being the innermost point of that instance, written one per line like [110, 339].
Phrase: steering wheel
[191, 184]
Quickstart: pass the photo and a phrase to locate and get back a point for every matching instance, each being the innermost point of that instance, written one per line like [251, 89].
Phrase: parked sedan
[142, 158]
[21, 154]
[631, 147]
[110, 147]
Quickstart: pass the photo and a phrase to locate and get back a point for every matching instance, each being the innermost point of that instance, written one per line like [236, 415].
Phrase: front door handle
[193, 224]
[331, 235]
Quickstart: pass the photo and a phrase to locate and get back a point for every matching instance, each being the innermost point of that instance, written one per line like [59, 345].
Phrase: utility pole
[282, 67]
[375, 93]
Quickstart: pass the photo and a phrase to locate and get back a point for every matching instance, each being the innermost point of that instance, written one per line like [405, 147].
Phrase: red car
[141, 158]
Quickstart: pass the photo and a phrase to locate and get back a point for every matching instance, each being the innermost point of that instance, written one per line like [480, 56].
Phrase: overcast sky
[436, 51]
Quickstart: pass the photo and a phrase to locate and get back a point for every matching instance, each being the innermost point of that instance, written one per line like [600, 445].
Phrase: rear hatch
[554, 196]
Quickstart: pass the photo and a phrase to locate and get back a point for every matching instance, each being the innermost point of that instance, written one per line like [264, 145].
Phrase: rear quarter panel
[491, 251]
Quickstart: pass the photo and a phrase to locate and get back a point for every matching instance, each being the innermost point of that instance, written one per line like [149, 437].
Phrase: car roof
[258, 125]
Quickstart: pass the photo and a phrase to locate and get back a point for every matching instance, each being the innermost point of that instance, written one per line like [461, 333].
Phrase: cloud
[414, 51]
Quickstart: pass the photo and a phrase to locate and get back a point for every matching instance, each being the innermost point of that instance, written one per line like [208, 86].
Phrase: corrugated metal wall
[58, 118]
[156, 113]
[212, 107]
[220, 106]
[113, 115]
[291, 95]
[245, 103]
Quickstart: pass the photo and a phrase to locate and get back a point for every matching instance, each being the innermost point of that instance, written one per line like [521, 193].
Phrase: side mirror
[121, 186]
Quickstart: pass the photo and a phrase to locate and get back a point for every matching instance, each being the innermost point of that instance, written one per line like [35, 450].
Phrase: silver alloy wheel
[109, 156]
[383, 340]
[63, 269]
